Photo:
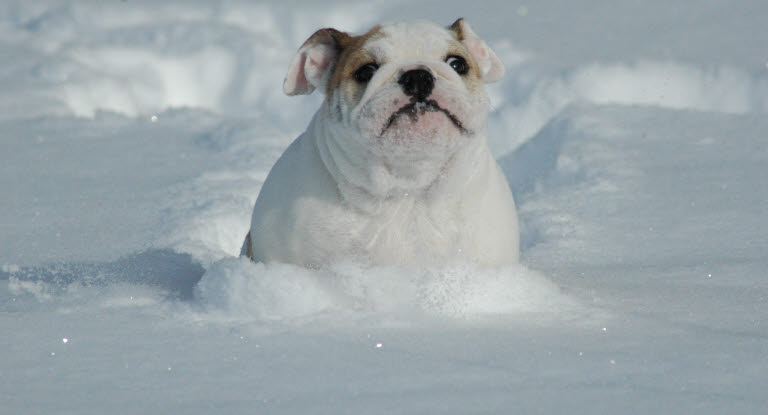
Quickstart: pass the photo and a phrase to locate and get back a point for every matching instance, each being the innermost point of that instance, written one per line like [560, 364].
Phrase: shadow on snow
[170, 271]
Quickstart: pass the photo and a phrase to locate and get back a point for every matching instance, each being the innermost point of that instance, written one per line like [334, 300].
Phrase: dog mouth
[417, 108]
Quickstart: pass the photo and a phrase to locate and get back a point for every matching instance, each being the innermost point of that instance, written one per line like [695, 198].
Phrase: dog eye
[458, 64]
[364, 73]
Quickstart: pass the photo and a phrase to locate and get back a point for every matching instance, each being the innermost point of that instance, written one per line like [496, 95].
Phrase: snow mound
[238, 289]
[531, 95]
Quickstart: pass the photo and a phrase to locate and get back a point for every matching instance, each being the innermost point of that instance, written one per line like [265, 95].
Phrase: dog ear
[314, 62]
[491, 68]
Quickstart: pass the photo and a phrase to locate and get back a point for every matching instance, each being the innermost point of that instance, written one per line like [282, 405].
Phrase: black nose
[417, 83]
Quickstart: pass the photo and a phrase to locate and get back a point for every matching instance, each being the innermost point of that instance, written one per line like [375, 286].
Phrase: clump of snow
[247, 291]
[243, 290]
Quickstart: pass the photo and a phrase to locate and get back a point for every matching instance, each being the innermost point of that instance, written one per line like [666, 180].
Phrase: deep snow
[135, 137]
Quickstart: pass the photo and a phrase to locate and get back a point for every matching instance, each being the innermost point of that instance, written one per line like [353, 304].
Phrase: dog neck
[369, 172]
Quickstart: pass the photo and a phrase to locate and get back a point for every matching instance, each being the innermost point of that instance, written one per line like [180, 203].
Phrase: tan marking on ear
[457, 29]
[338, 39]
[328, 35]
[493, 68]
[312, 63]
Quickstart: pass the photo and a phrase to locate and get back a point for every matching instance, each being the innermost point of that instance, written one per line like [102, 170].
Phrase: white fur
[423, 192]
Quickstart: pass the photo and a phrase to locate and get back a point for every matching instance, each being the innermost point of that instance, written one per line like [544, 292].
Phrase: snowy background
[135, 135]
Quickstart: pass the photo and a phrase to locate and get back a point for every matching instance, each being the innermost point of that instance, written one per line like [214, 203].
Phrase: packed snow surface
[135, 136]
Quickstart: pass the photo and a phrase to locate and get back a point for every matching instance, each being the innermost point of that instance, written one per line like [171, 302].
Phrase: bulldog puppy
[394, 168]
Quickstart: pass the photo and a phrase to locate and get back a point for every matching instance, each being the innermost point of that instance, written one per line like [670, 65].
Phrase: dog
[394, 168]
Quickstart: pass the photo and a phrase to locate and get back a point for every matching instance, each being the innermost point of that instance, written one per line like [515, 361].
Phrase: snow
[136, 135]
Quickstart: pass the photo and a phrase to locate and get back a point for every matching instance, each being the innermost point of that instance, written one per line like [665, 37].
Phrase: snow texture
[135, 137]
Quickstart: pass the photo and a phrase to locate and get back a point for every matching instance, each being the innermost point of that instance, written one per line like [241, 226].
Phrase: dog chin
[425, 127]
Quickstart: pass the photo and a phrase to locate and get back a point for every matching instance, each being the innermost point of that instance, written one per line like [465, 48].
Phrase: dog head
[412, 82]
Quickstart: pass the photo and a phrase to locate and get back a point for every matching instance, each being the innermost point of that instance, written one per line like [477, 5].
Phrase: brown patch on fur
[352, 57]
[472, 79]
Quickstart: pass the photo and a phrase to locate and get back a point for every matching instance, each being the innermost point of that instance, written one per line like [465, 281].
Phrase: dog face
[402, 84]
